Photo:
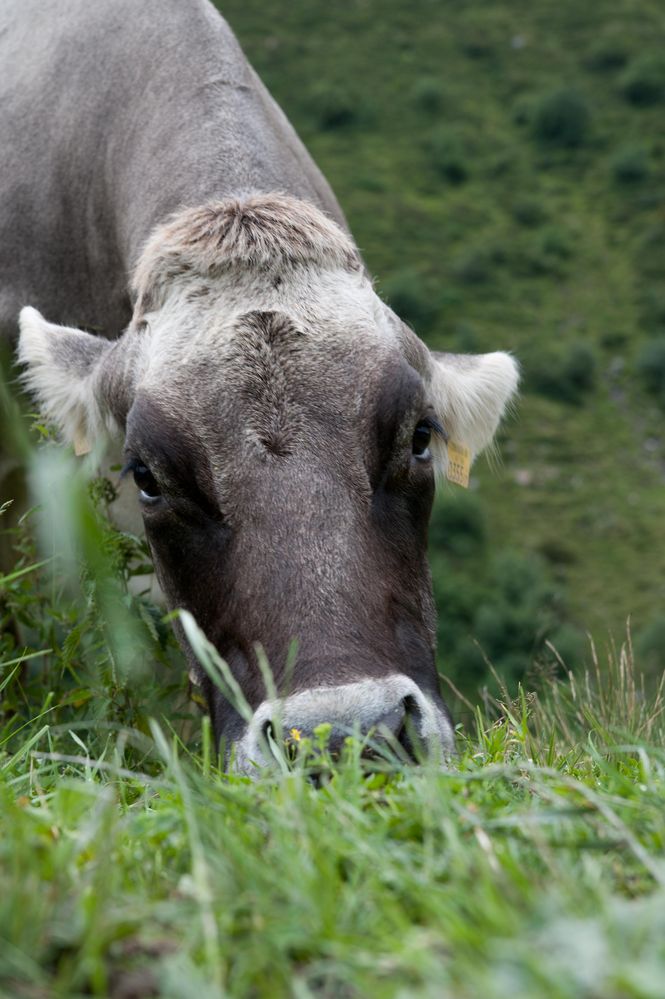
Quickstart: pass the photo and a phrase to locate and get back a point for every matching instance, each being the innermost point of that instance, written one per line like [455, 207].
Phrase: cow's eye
[421, 439]
[149, 491]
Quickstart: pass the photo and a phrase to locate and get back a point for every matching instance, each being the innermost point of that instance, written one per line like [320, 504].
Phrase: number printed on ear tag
[459, 464]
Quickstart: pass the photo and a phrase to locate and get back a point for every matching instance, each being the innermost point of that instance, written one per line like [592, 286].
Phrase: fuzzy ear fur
[62, 369]
[471, 393]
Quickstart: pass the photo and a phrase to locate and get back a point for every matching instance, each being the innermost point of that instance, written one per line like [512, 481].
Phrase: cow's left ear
[64, 371]
[470, 393]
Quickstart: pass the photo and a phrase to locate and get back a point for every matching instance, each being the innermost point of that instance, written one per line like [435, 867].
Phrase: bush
[458, 523]
[652, 306]
[606, 55]
[651, 367]
[567, 376]
[570, 645]
[529, 212]
[428, 94]
[561, 118]
[630, 165]
[504, 614]
[334, 107]
[474, 266]
[447, 155]
[650, 646]
[406, 292]
[643, 82]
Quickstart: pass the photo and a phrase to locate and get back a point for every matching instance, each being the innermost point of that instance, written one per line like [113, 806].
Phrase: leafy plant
[447, 154]
[643, 82]
[651, 367]
[630, 164]
[561, 118]
[567, 375]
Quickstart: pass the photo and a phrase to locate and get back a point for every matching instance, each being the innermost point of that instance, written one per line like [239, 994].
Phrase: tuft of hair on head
[257, 232]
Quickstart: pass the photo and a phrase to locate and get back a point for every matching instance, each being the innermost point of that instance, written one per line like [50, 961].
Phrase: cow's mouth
[391, 721]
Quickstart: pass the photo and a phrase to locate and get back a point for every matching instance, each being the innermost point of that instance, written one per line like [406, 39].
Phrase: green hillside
[502, 166]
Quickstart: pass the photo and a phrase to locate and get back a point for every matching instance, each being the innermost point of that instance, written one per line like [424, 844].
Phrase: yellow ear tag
[459, 464]
[81, 444]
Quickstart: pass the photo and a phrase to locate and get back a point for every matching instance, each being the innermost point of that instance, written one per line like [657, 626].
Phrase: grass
[532, 864]
[131, 865]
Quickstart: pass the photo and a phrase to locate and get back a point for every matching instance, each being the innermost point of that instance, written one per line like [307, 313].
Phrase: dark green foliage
[474, 266]
[428, 93]
[447, 154]
[458, 523]
[650, 646]
[110, 660]
[643, 82]
[651, 367]
[528, 211]
[566, 375]
[607, 54]
[334, 107]
[630, 164]
[410, 297]
[561, 118]
[503, 619]
[653, 306]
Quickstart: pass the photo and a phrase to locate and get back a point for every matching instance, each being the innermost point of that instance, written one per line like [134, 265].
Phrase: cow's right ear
[64, 371]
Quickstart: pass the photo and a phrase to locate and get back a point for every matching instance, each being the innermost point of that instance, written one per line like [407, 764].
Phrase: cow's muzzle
[393, 710]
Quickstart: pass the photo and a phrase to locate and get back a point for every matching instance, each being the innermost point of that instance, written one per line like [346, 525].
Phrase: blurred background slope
[502, 167]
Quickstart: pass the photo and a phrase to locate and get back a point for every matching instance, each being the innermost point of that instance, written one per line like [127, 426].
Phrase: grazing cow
[282, 425]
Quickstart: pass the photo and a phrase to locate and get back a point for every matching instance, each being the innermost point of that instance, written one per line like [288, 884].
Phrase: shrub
[505, 615]
[458, 523]
[650, 646]
[630, 165]
[554, 241]
[570, 645]
[474, 266]
[334, 107]
[567, 376]
[652, 306]
[528, 211]
[643, 82]
[447, 155]
[407, 293]
[607, 54]
[428, 94]
[561, 118]
[651, 367]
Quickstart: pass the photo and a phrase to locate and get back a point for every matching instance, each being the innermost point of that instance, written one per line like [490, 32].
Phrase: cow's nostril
[409, 734]
[268, 731]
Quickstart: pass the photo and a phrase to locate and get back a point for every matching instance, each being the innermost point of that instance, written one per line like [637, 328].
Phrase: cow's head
[284, 430]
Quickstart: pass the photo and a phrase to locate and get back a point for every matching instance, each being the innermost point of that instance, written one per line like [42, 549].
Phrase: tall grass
[132, 865]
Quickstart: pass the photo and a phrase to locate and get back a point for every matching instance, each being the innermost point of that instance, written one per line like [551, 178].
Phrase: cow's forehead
[281, 382]
[325, 330]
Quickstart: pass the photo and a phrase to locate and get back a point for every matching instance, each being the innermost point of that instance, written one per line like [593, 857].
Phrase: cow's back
[114, 113]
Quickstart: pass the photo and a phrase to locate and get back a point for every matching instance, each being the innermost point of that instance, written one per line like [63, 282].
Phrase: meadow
[502, 167]
[131, 865]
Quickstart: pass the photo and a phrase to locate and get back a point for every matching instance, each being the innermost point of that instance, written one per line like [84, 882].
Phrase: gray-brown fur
[113, 114]
[260, 231]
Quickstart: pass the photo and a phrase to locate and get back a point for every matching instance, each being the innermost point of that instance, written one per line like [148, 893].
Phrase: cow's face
[284, 430]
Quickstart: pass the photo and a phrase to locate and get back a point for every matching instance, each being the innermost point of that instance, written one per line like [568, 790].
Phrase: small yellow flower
[295, 734]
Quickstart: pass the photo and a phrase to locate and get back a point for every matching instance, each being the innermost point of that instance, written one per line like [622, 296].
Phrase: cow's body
[113, 114]
[282, 425]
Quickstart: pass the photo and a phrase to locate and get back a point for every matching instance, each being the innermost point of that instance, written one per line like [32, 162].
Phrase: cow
[206, 304]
